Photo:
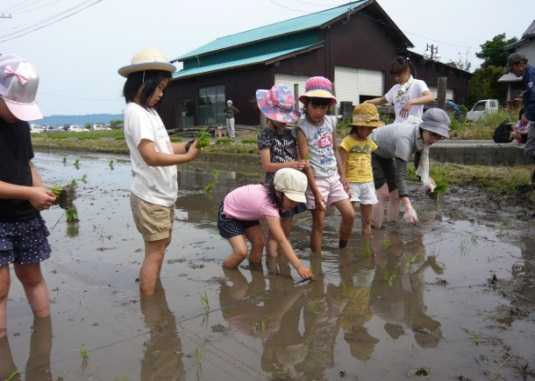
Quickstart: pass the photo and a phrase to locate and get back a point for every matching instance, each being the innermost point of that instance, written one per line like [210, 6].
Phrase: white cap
[19, 82]
[292, 183]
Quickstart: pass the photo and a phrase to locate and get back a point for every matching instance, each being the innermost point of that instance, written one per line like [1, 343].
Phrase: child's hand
[193, 150]
[410, 215]
[405, 110]
[304, 272]
[320, 203]
[41, 198]
[524, 120]
[300, 165]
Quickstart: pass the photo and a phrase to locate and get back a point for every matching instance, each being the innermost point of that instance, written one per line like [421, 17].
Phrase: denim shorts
[230, 227]
[24, 242]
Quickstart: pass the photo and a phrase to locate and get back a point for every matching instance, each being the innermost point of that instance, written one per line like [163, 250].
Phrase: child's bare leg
[7, 365]
[256, 237]
[5, 282]
[393, 207]
[239, 252]
[318, 223]
[378, 213]
[348, 216]
[152, 265]
[366, 215]
[271, 245]
[35, 288]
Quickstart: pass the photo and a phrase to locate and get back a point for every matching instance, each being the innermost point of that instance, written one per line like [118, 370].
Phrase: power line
[50, 20]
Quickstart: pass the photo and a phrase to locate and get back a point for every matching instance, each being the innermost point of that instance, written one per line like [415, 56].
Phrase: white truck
[482, 108]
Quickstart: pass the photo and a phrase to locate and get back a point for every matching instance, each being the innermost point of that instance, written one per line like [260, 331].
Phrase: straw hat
[147, 59]
[366, 115]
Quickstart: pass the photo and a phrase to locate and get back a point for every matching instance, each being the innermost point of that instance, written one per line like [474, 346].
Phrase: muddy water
[452, 298]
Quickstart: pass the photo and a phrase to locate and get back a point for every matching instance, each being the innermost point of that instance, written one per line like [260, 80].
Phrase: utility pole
[432, 52]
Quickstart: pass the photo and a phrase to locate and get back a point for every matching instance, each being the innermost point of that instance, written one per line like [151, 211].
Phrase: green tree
[494, 52]
[484, 85]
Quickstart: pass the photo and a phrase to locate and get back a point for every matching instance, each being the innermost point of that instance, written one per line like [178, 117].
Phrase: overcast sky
[78, 57]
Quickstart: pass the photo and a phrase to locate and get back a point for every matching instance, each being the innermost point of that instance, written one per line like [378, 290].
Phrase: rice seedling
[77, 164]
[12, 375]
[111, 165]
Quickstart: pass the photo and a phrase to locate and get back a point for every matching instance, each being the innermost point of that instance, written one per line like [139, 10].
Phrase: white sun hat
[147, 59]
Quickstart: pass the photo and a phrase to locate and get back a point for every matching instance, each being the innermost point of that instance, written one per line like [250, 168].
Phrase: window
[211, 105]
[479, 106]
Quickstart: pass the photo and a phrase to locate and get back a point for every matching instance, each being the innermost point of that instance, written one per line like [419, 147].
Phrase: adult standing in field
[230, 113]
[397, 143]
[518, 64]
[23, 233]
[154, 159]
[408, 95]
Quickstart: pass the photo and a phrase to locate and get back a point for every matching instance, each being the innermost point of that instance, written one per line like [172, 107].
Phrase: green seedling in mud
[74, 183]
[390, 277]
[261, 326]
[77, 164]
[73, 230]
[198, 356]
[64, 161]
[474, 336]
[387, 244]
[205, 302]
[203, 139]
[110, 164]
[441, 188]
[209, 188]
[83, 179]
[84, 353]
[12, 376]
[72, 215]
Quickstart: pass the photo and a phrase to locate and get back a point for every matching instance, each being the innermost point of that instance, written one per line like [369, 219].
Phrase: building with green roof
[352, 44]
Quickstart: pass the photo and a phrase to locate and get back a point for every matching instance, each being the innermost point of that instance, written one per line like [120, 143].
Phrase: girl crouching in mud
[243, 208]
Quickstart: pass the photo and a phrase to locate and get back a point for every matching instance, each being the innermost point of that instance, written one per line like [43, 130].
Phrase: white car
[482, 108]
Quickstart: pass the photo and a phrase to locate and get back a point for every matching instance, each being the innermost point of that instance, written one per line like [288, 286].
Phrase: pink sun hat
[278, 104]
[18, 87]
[318, 87]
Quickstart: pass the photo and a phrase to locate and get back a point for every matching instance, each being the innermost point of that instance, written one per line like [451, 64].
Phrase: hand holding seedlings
[41, 198]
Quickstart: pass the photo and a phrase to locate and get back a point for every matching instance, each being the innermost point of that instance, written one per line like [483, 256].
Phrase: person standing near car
[518, 64]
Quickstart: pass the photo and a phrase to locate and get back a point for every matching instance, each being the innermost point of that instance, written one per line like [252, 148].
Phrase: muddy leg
[35, 288]
[239, 252]
[318, 223]
[346, 226]
[378, 213]
[393, 207]
[7, 365]
[5, 282]
[152, 265]
[366, 215]
[256, 237]
[38, 365]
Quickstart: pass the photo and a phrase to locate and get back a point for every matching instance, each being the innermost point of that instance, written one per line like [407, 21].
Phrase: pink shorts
[331, 189]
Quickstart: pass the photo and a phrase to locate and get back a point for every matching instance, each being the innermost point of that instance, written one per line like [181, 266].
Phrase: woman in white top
[409, 95]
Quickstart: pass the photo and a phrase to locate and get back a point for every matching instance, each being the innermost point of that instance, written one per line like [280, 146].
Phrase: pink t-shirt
[249, 203]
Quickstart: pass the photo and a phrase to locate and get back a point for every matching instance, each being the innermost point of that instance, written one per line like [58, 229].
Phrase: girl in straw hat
[154, 159]
[277, 145]
[356, 160]
[316, 137]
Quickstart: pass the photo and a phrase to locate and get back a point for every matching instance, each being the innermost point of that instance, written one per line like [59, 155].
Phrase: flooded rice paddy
[450, 299]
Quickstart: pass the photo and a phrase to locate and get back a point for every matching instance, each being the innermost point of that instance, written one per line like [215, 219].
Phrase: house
[352, 44]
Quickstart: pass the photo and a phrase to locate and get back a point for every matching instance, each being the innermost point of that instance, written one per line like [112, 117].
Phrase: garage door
[351, 84]
[290, 81]
[449, 93]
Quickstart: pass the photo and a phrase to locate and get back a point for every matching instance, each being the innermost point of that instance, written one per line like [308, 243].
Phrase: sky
[78, 57]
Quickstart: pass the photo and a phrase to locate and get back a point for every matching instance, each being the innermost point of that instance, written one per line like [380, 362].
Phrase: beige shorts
[154, 222]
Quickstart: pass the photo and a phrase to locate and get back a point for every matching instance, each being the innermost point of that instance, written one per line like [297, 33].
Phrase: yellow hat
[366, 115]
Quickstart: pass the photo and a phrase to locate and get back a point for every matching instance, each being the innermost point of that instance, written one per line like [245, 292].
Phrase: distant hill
[81, 120]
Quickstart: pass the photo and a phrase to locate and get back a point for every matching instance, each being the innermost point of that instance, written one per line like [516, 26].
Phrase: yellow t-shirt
[359, 161]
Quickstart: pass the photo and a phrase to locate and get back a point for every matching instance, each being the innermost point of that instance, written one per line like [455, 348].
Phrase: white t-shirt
[156, 185]
[399, 96]
[321, 146]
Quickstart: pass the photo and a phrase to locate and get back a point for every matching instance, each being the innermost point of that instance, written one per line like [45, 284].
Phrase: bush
[481, 129]
[223, 141]
[249, 141]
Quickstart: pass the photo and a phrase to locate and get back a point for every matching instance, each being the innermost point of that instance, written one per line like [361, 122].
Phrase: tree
[484, 85]
[494, 52]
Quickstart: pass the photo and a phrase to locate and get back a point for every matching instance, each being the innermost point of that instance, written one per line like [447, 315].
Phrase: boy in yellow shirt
[356, 157]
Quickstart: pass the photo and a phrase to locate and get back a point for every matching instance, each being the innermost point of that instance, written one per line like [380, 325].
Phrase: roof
[297, 24]
[530, 32]
[254, 60]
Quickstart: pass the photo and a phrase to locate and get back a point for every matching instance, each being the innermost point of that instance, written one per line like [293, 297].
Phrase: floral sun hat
[278, 104]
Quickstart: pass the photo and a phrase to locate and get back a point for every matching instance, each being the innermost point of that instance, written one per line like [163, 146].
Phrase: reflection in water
[163, 351]
[299, 324]
[398, 289]
[38, 365]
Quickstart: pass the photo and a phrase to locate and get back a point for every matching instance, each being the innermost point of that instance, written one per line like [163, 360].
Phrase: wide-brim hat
[437, 121]
[147, 59]
[19, 82]
[292, 183]
[318, 87]
[366, 115]
[278, 104]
